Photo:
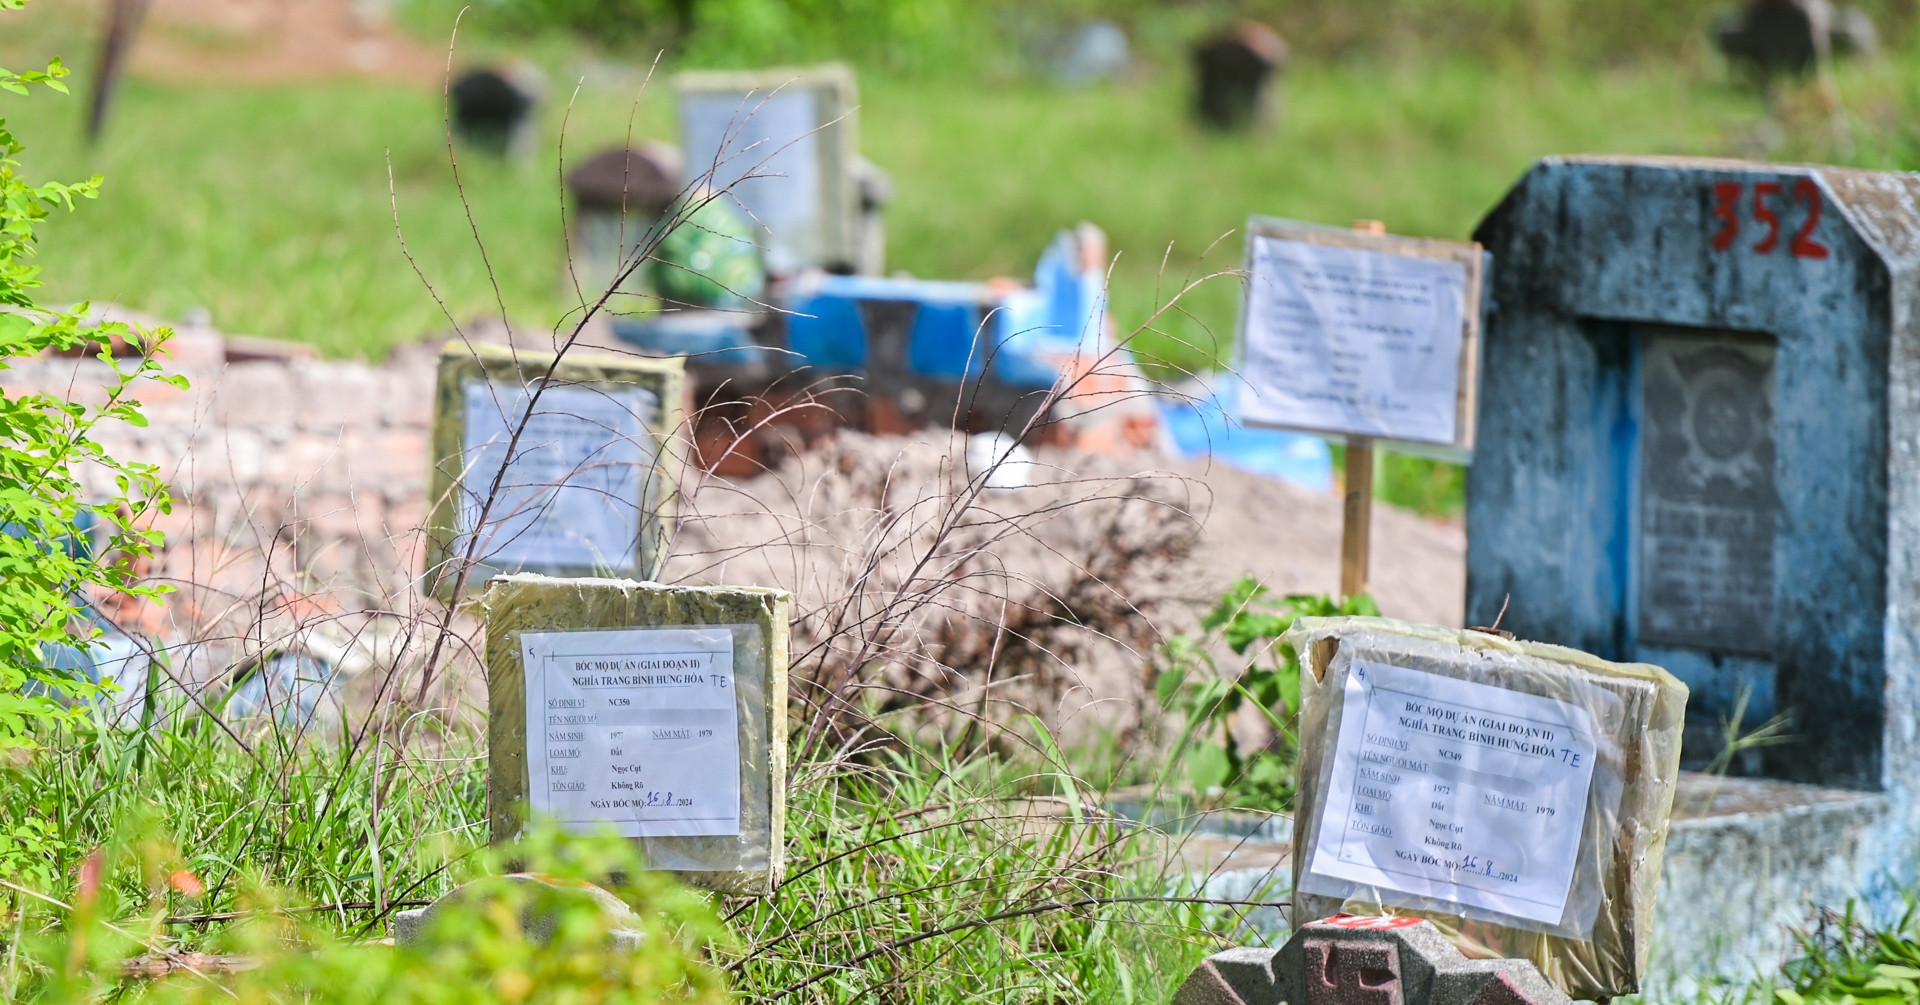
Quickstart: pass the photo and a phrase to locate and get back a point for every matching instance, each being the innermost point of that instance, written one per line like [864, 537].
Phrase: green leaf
[1167, 685]
[1208, 766]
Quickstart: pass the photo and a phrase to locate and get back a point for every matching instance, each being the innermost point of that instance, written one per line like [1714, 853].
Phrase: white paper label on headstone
[1348, 341]
[635, 728]
[1456, 791]
[572, 496]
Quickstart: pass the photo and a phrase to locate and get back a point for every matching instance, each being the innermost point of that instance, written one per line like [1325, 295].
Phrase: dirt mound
[913, 583]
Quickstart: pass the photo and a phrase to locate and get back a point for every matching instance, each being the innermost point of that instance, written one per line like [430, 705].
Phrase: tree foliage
[59, 544]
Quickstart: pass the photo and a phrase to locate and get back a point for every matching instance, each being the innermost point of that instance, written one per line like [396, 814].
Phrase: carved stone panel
[1707, 494]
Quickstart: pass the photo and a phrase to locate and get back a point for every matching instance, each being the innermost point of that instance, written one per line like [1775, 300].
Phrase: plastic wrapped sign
[780, 143]
[1516, 794]
[655, 712]
[562, 468]
[1356, 334]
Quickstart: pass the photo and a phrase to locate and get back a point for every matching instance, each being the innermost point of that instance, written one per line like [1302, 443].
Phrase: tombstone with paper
[655, 712]
[782, 144]
[558, 467]
[1516, 794]
[1363, 335]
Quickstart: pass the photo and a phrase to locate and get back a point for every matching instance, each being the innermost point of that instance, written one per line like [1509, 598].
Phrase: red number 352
[1727, 209]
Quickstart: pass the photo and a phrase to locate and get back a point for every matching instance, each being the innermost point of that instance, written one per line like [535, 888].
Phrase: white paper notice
[1347, 341]
[636, 728]
[572, 496]
[1456, 791]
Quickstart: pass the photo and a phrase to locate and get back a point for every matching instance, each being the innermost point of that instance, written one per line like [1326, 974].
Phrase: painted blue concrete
[1590, 250]
[1594, 255]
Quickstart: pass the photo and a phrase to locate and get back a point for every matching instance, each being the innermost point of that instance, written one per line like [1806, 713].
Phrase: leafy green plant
[1845, 962]
[1249, 621]
[75, 953]
[46, 570]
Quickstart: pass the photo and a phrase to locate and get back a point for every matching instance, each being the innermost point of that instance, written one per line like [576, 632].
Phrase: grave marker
[1233, 74]
[493, 108]
[656, 711]
[1363, 335]
[1717, 482]
[619, 196]
[1516, 794]
[782, 143]
[1698, 447]
[587, 487]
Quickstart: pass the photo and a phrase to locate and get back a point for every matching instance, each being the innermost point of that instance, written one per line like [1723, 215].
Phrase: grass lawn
[274, 206]
[271, 205]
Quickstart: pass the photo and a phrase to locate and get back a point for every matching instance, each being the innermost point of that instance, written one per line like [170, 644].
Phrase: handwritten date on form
[1456, 791]
[635, 728]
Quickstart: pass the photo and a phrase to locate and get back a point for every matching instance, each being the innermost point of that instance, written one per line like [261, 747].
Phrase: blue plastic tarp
[1203, 422]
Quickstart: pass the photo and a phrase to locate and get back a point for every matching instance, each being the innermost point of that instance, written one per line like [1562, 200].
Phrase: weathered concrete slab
[748, 861]
[1746, 860]
[587, 487]
[1700, 447]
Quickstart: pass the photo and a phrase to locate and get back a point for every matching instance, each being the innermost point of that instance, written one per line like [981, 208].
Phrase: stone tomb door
[1705, 508]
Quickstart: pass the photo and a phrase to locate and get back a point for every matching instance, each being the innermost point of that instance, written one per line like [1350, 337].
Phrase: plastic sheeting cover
[1440, 771]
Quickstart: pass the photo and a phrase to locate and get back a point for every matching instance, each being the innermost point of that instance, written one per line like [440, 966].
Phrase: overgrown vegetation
[49, 562]
[1248, 620]
[922, 872]
[903, 865]
[110, 941]
[1844, 962]
[917, 872]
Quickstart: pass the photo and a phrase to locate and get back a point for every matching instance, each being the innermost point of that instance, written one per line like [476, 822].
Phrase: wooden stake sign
[1361, 334]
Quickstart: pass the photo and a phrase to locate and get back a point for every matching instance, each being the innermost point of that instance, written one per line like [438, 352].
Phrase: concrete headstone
[1699, 446]
[1767, 38]
[1092, 52]
[1234, 73]
[580, 485]
[656, 711]
[1516, 794]
[493, 108]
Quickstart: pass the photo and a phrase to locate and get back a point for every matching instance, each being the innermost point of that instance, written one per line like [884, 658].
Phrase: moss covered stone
[622, 486]
[746, 863]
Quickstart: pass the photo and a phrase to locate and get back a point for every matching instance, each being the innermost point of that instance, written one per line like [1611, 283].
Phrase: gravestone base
[538, 920]
[1749, 859]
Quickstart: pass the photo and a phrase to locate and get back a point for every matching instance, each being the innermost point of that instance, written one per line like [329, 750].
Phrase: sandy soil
[1289, 538]
[267, 41]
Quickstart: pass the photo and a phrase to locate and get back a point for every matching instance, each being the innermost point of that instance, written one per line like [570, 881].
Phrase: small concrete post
[1346, 960]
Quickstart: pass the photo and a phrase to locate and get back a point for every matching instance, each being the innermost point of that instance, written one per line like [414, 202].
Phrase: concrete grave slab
[588, 487]
[724, 833]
